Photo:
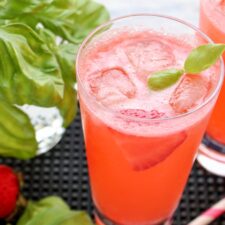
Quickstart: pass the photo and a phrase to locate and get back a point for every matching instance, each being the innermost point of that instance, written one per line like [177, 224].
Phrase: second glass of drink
[212, 150]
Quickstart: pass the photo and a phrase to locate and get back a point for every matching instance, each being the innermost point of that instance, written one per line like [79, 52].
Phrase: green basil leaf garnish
[202, 57]
[163, 79]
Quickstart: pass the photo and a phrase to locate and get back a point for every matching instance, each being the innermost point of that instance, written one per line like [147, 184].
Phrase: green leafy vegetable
[52, 211]
[203, 57]
[79, 218]
[72, 20]
[163, 79]
[29, 72]
[17, 133]
[38, 43]
[65, 56]
[68, 105]
[200, 59]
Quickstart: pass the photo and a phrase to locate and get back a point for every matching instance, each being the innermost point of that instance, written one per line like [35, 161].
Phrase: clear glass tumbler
[138, 166]
[212, 150]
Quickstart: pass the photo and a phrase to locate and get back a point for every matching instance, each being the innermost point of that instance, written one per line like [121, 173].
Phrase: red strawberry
[9, 191]
[145, 152]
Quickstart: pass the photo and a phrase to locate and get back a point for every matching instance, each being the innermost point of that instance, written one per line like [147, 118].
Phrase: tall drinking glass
[212, 151]
[141, 144]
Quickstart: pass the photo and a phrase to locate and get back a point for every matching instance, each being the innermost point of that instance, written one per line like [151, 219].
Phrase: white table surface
[183, 9]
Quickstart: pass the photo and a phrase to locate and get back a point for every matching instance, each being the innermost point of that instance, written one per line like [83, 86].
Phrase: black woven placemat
[63, 172]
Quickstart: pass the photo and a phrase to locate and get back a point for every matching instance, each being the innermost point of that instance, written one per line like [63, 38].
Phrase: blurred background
[183, 9]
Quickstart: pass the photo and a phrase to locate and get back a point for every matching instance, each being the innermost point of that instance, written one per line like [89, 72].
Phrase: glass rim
[187, 24]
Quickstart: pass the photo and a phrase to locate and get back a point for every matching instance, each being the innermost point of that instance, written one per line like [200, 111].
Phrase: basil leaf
[11, 9]
[51, 201]
[35, 69]
[52, 211]
[35, 211]
[79, 218]
[17, 133]
[65, 56]
[203, 57]
[72, 20]
[29, 72]
[3, 3]
[163, 79]
[68, 106]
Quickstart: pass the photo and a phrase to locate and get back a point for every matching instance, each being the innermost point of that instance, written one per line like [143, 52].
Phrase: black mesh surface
[63, 172]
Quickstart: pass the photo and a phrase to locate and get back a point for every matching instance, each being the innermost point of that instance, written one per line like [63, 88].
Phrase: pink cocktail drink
[141, 144]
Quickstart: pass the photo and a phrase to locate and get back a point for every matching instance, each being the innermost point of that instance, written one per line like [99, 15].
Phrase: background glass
[212, 151]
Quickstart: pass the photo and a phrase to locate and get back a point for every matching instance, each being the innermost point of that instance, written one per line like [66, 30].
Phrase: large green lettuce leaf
[65, 56]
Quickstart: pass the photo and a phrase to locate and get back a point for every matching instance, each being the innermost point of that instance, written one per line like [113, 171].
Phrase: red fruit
[143, 152]
[9, 191]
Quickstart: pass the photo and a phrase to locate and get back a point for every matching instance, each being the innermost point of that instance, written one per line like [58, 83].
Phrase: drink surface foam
[115, 67]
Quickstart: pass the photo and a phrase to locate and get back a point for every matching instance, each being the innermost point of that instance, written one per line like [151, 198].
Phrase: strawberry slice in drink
[145, 152]
[140, 113]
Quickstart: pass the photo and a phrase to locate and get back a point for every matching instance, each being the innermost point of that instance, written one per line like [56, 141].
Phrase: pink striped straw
[210, 214]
